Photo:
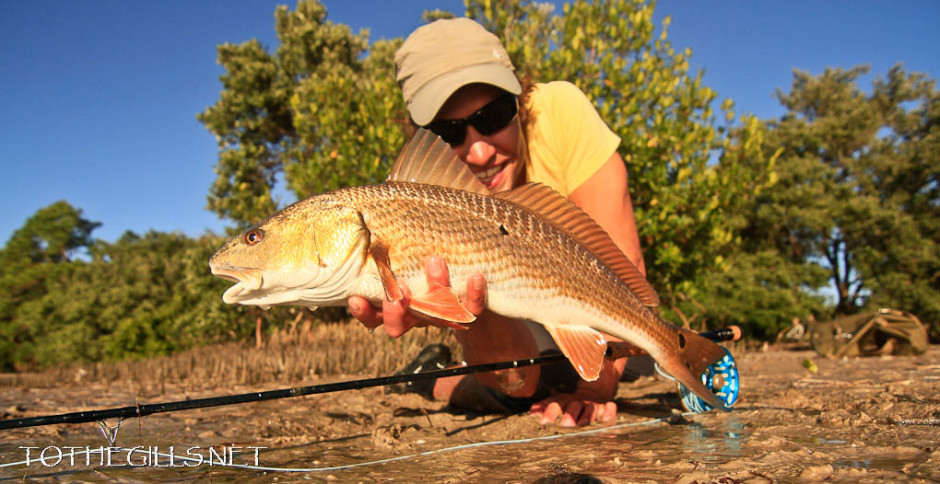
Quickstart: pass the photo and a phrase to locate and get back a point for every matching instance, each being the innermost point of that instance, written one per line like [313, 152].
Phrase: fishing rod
[149, 409]
[615, 350]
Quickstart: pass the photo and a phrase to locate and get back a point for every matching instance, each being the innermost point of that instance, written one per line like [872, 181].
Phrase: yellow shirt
[567, 139]
[568, 142]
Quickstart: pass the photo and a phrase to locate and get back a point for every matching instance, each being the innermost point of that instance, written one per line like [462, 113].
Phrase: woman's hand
[574, 409]
[395, 315]
[591, 402]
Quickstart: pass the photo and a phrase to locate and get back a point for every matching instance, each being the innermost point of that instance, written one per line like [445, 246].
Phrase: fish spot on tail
[503, 230]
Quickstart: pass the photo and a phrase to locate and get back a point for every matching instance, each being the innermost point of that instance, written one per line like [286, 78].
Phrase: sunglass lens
[495, 116]
[452, 133]
[488, 120]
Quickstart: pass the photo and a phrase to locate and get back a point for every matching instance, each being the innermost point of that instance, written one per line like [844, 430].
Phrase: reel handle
[731, 333]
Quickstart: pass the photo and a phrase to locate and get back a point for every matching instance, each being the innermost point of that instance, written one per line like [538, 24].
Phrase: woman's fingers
[475, 300]
[573, 411]
[394, 315]
[360, 309]
[435, 270]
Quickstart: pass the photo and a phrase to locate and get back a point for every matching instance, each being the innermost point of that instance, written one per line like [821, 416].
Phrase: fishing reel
[721, 378]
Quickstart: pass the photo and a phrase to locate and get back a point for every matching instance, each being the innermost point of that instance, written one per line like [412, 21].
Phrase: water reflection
[714, 443]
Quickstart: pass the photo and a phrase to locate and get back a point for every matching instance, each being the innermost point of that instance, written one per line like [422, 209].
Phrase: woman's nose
[481, 151]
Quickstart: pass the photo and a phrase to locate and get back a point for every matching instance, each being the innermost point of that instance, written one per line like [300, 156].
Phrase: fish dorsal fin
[552, 206]
[428, 159]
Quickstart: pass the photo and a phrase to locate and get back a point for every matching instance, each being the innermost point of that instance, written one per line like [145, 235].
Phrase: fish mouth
[246, 280]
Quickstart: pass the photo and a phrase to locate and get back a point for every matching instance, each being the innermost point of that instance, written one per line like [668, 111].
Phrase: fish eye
[254, 236]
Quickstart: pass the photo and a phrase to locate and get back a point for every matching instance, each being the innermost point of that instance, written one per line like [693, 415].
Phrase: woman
[458, 81]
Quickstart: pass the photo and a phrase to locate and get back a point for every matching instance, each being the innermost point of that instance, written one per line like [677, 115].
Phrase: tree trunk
[258, 332]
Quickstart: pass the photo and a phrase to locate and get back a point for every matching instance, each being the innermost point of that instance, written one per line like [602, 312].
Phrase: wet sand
[858, 420]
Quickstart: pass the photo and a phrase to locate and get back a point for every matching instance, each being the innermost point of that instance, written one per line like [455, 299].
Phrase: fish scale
[534, 263]
[543, 259]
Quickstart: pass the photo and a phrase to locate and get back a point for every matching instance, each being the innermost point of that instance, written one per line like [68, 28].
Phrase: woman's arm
[605, 196]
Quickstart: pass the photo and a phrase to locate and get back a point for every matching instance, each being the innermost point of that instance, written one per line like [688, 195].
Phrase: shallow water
[854, 420]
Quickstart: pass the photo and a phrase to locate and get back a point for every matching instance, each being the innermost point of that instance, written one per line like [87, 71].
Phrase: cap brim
[429, 99]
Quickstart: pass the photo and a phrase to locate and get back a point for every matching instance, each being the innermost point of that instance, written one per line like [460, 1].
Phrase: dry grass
[305, 352]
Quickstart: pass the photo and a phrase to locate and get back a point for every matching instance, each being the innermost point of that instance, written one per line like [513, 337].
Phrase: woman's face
[495, 159]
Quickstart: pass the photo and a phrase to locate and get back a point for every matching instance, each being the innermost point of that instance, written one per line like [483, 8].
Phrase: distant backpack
[886, 332]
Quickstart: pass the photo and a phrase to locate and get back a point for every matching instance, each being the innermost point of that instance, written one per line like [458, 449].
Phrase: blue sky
[98, 98]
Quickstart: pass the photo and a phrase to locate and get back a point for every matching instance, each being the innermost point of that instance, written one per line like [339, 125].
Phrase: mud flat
[860, 420]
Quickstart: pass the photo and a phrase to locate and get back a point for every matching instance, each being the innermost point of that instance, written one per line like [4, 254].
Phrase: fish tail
[694, 355]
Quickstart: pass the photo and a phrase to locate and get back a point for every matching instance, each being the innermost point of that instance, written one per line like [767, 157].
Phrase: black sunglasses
[487, 120]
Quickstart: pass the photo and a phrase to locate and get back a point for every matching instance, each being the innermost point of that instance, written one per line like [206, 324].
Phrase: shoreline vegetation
[307, 351]
[832, 208]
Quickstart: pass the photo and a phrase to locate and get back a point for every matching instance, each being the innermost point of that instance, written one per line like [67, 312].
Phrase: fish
[543, 258]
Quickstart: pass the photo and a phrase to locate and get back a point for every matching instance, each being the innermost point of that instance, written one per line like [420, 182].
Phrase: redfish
[543, 258]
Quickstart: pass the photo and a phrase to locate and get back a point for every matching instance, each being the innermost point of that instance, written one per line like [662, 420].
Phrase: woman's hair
[525, 117]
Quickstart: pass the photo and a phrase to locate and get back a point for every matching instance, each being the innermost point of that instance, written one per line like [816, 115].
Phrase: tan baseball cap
[445, 55]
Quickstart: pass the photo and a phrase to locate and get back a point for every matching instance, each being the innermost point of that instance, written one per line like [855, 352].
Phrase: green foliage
[51, 235]
[319, 111]
[741, 221]
[149, 295]
[346, 141]
[251, 124]
[140, 296]
[348, 120]
[687, 173]
[859, 189]
[32, 263]
[761, 292]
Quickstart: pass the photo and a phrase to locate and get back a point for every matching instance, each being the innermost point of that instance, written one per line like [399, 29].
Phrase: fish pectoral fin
[583, 346]
[440, 303]
[379, 253]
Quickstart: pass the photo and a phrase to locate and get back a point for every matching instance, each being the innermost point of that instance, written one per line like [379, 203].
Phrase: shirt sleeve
[575, 141]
